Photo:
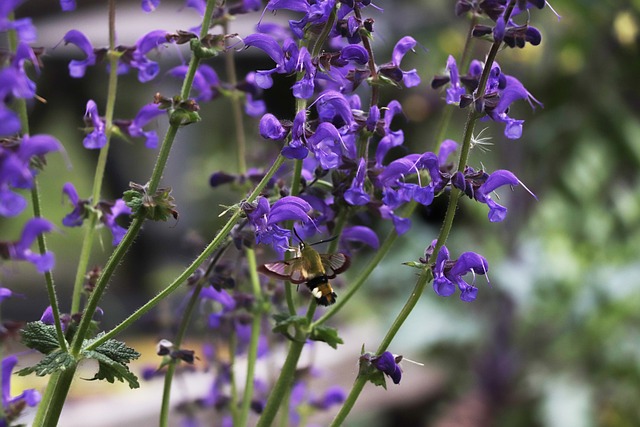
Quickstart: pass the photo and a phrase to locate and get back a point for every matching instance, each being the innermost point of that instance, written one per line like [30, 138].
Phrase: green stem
[166, 394]
[283, 383]
[54, 397]
[222, 234]
[98, 177]
[373, 69]
[252, 353]
[351, 399]
[322, 37]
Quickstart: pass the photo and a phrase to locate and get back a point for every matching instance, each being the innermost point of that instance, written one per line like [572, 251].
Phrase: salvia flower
[265, 219]
[13, 406]
[479, 185]
[392, 69]
[23, 27]
[447, 273]
[356, 195]
[77, 68]
[97, 138]
[387, 363]
[21, 249]
[144, 116]
[108, 213]
[17, 170]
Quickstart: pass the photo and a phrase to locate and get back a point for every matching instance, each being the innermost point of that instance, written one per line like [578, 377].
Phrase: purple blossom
[388, 364]
[147, 69]
[479, 185]
[144, 116]
[16, 170]
[97, 138]
[13, 406]
[265, 219]
[9, 121]
[391, 138]
[23, 26]
[297, 147]
[150, 5]
[358, 234]
[356, 195]
[326, 144]
[334, 395]
[14, 80]
[68, 5]
[77, 68]
[5, 293]
[447, 274]
[21, 249]
[271, 128]
[392, 69]
[455, 89]
[108, 213]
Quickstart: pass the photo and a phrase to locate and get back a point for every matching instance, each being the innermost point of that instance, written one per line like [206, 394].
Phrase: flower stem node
[156, 207]
[210, 46]
[374, 368]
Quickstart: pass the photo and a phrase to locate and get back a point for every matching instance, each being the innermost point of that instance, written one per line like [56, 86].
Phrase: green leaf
[377, 378]
[40, 337]
[370, 372]
[59, 360]
[291, 327]
[326, 334]
[113, 357]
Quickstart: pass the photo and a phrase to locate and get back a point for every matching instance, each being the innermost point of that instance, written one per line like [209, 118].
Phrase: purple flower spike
[144, 116]
[77, 68]
[147, 69]
[386, 363]
[97, 138]
[29, 397]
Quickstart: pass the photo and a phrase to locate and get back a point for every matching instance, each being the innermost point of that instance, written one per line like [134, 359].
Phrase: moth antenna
[324, 241]
[298, 236]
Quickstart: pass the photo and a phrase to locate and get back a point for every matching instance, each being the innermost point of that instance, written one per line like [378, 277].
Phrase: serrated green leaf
[377, 378]
[40, 337]
[326, 334]
[110, 370]
[57, 361]
[113, 357]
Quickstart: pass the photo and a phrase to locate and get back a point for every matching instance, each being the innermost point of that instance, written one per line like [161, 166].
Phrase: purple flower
[271, 128]
[16, 170]
[387, 364]
[479, 185]
[147, 69]
[512, 91]
[455, 89]
[144, 116]
[5, 293]
[205, 82]
[221, 296]
[447, 274]
[108, 213]
[68, 5]
[150, 5]
[273, 49]
[358, 234]
[326, 144]
[356, 195]
[334, 395]
[9, 121]
[392, 70]
[297, 147]
[23, 27]
[391, 138]
[97, 138]
[265, 219]
[20, 250]
[13, 406]
[78, 68]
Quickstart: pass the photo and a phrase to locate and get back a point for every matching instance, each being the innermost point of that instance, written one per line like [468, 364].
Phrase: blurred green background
[553, 341]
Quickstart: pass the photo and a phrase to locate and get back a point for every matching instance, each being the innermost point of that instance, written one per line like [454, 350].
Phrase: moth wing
[292, 270]
[335, 264]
